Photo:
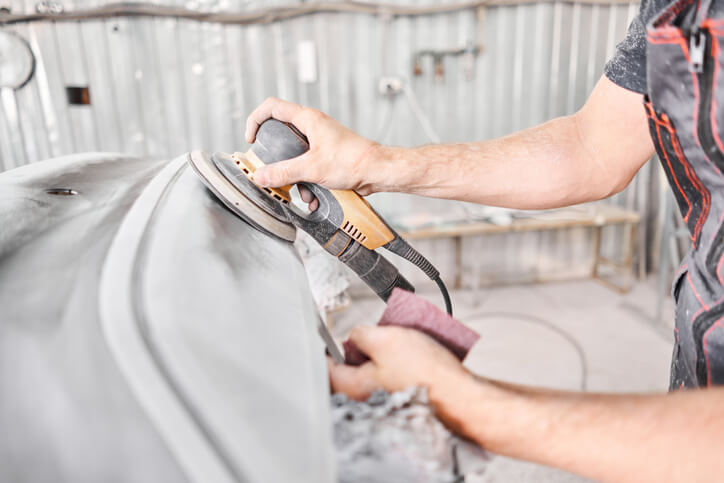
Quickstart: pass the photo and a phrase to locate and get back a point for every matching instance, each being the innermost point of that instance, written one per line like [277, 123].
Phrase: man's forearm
[583, 157]
[586, 156]
[542, 167]
[658, 437]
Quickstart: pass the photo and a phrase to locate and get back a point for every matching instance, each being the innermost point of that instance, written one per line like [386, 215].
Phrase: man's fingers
[302, 117]
[308, 198]
[281, 174]
[257, 116]
[356, 382]
[306, 195]
[271, 107]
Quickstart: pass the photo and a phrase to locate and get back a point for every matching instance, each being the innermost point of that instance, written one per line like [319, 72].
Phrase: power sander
[344, 224]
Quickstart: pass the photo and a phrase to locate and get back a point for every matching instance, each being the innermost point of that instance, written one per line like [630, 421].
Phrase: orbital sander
[344, 223]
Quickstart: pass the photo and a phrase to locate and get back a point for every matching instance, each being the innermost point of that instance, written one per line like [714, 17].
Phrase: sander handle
[343, 215]
[278, 141]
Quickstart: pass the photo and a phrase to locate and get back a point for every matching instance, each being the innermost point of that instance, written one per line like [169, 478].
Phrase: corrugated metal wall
[163, 86]
[160, 87]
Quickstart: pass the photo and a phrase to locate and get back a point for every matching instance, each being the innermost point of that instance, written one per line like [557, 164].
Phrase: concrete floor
[567, 335]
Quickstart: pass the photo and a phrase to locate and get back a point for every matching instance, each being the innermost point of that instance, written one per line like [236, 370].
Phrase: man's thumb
[365, 338]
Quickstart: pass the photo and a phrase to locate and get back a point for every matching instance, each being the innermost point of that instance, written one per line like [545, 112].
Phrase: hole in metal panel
[78, 95]
[61, 191]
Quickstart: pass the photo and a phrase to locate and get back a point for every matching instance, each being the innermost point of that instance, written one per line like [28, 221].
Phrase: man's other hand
[336, 156]
[399, 358]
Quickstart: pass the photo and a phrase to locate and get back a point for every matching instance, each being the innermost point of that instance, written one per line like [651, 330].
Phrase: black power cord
[400, 247]
[445, 295]
[546, 324]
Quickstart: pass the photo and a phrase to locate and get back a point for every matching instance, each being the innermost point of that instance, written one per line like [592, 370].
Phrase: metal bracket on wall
[468, 53]
[471, 50]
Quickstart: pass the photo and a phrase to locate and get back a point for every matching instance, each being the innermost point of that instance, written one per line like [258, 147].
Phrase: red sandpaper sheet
[405, 309]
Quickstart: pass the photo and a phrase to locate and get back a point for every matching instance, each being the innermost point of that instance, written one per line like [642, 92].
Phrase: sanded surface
[66, 412]
[222, 311]
[217, 291]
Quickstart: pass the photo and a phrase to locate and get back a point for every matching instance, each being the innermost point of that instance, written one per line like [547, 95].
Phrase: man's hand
[399, 358]
[336, 156]
[605, 437]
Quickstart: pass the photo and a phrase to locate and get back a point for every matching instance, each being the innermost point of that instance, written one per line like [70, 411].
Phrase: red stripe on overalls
[664, 121]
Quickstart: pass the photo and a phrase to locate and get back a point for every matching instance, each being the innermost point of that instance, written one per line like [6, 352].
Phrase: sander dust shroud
[344, 224]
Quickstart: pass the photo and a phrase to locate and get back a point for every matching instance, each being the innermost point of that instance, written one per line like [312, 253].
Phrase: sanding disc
[238, 201]
[261, 197]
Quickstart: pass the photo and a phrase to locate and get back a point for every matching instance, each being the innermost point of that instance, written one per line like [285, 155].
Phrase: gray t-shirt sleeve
[627, 67]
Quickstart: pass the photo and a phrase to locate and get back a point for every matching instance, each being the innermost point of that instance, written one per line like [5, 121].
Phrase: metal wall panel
[163, 86]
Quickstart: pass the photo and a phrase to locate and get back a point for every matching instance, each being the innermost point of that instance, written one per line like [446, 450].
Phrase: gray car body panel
[147, 334]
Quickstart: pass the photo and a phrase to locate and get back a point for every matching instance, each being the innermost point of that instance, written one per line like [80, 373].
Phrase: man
[672, 55]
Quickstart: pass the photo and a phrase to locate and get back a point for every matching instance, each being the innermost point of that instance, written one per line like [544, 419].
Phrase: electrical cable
[445, 295]
[400, 247]
[420, 114]
[383, 131]
[548, 325]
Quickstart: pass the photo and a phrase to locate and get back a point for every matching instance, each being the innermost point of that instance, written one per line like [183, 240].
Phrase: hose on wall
[270, 14]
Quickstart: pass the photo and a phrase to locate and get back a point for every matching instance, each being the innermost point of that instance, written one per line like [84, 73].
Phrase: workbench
[594, 215]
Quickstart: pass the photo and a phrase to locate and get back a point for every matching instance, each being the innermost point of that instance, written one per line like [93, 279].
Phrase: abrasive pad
[246, 204]
[405, 309]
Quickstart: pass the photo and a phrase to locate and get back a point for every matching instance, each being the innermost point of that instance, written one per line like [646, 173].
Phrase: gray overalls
[685, 107]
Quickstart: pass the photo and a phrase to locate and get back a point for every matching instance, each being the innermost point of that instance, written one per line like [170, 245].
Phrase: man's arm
[607, 437]
[583, 157]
